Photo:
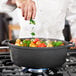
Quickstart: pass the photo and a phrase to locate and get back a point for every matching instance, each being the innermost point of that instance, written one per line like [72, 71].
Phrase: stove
[8, 68]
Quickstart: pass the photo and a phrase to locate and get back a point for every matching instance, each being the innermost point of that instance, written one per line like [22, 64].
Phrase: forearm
[15, 2]
[11, 2]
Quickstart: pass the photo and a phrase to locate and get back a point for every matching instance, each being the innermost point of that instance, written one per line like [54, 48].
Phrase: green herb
[28, 43]
[24, 41]
[32, 21]
[33, 34]
[57, 43]
[54, 43]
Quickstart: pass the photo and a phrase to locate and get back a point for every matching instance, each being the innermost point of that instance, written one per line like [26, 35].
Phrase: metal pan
[33, 57]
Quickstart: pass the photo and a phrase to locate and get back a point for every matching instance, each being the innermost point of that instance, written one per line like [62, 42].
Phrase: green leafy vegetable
[57, 43]
[54, 43]
[32, 21]
[26, 42]
[33, 34]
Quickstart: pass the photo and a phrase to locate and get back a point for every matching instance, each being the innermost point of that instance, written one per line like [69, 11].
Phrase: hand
[28, 8]
[73, 40]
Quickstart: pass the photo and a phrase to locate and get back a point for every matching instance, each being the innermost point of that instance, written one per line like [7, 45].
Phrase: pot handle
[4, 47]
[71, 44]
[5, 42]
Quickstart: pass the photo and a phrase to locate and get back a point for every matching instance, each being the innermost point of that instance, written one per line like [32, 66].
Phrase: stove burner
[43, 72]
[38, 70]
[8, 68]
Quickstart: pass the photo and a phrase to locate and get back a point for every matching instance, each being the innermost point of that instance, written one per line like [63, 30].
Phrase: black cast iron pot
[36, 57]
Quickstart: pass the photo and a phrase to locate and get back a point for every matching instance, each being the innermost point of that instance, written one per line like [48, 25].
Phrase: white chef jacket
[6, 8]
[50, 19]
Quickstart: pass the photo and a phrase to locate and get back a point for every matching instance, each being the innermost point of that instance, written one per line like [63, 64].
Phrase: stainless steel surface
[4, 47]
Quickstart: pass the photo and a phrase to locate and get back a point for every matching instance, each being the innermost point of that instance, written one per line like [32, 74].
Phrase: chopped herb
[28, 43]
[33, 34]
[59, 43]
[32, 21]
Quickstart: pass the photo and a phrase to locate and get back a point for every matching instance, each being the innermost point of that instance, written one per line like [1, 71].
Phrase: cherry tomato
[36, 39]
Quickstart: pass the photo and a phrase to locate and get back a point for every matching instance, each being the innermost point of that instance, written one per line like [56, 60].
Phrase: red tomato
[62, 44]
[41, 45]
[36, 39]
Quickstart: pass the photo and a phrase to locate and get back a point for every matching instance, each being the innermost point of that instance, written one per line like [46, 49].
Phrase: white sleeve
[6, 8]
[2, 2]
[71, 17]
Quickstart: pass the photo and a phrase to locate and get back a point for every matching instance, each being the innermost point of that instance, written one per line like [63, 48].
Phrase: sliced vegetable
[32, 44]
[41, 45]
[28, 43]
[24, 42]
[56, 43]
[36, 42]
[49, 45]
[44, 42]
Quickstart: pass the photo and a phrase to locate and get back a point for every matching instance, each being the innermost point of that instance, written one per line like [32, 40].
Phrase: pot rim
[67, 44]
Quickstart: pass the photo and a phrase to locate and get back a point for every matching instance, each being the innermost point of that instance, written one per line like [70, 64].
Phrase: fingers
[73, 40]
[25, 13]
[28, 10]
[34, 10]
[22, 8]
[29, 13]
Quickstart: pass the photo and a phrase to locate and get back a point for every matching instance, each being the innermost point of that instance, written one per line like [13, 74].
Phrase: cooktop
[8, 68]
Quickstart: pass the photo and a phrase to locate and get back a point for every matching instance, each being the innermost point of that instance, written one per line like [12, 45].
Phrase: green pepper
[28, 43]
[57, 43]
[24, 42]
[32, 21]
[54, 43]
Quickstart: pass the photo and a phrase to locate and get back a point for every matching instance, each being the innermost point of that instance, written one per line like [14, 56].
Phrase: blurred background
[9, 26]
[8, 15]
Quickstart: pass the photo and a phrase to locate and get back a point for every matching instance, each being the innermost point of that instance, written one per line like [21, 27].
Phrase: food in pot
[36, 42]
